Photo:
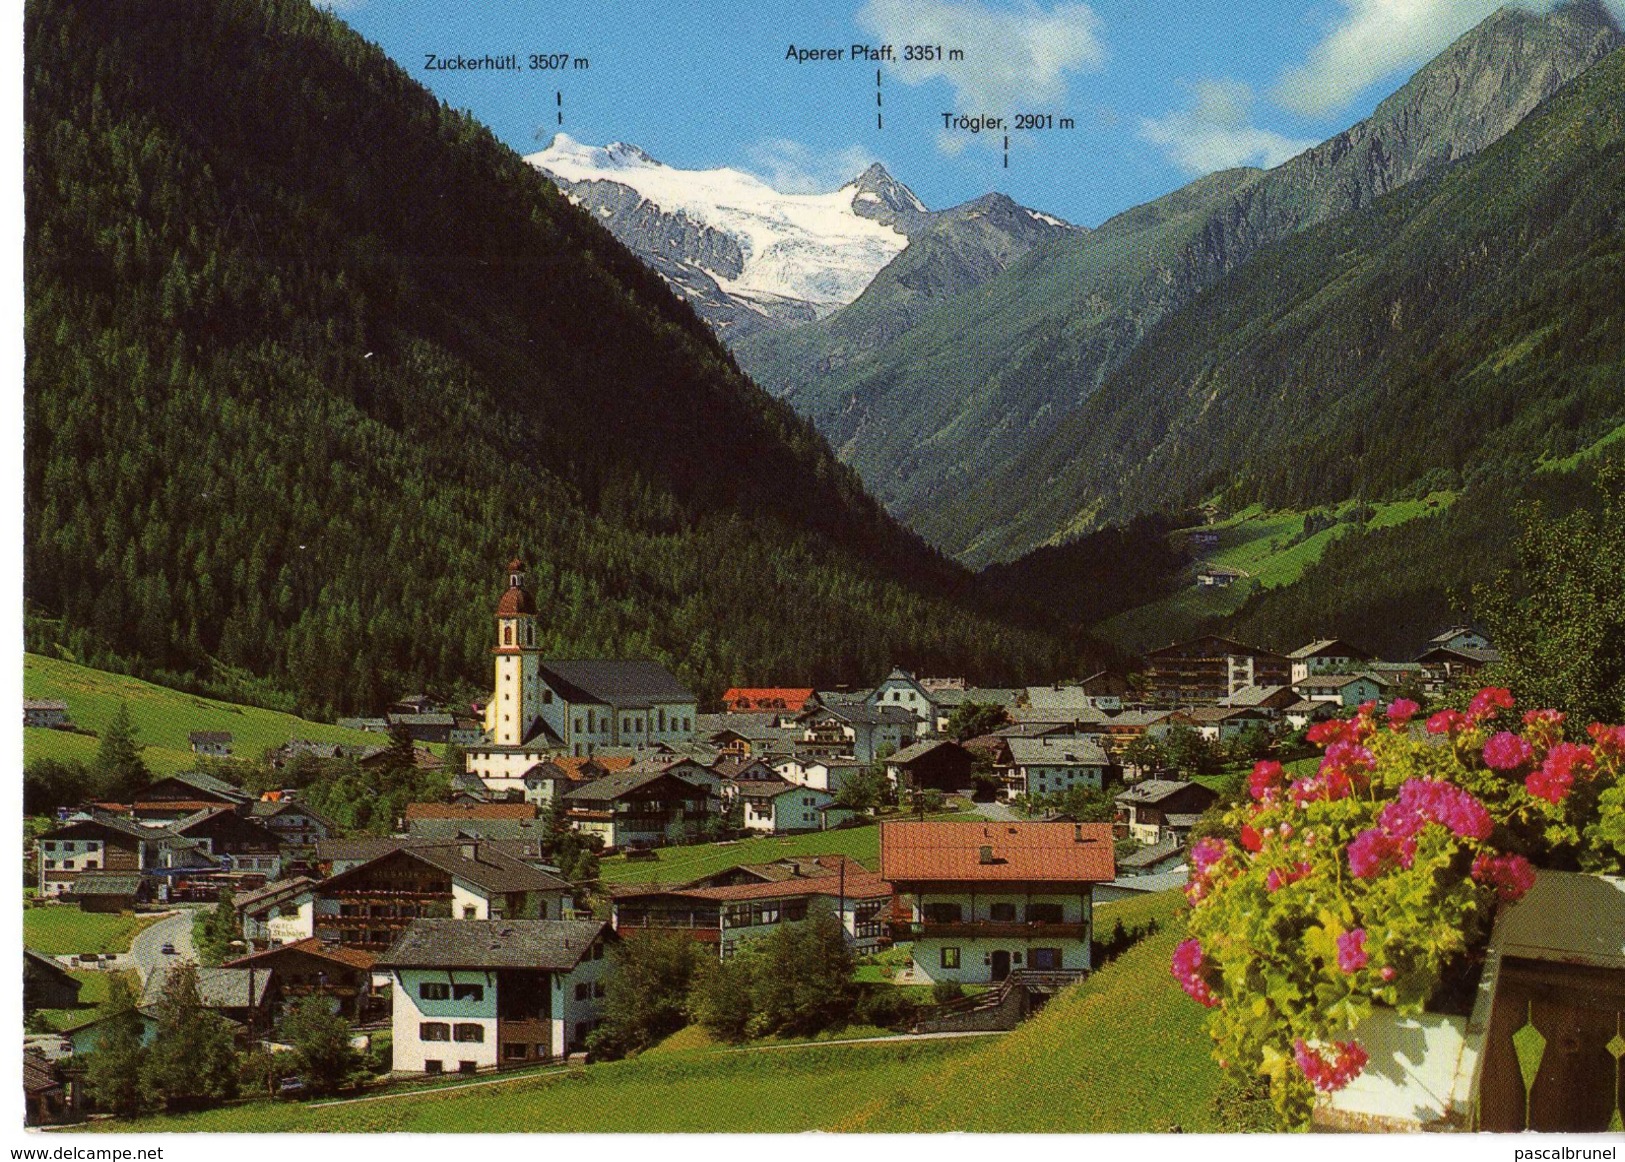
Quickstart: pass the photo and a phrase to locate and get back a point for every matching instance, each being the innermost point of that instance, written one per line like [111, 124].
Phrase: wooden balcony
[991, 930]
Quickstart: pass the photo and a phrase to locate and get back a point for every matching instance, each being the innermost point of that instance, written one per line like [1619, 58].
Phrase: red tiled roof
[741, 698]
[470, 811]
[1022, 852]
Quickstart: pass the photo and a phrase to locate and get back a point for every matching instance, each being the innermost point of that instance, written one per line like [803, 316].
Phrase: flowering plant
[1364, 883]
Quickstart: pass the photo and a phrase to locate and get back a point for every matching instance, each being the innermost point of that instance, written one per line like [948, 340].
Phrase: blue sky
[1160, 91]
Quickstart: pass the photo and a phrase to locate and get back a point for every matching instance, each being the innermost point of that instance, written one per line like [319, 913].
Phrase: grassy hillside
[1271, 551]
[776, 1091]
[60, 930]
[1125, 1052]
[163, 718]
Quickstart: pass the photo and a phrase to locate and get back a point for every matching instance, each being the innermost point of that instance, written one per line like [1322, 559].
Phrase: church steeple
[516, 702]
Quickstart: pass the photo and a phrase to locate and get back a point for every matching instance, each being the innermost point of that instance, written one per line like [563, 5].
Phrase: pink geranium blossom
[1330, 731]
[1505, 751]
[1400, 713]
[1609, 741]
[1279, 878]
[1374, 852]
[1265, 779]
[1351, 953]
[1556, 774]
[1510, 875]
[1187, 967]
[1348, 1059]
[1543, 726]
[1424, 801]
[1207, 852]
[1446, 722]
[1488, 702]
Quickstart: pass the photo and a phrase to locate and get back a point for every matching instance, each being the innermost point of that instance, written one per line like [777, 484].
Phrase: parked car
[291, 1088]
[168, 949]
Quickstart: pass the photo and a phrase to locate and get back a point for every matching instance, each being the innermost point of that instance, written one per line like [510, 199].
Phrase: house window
[1003, 913]
[468, 992]
[597, 949]
[467, 1066]
[939, 912]
[1043, 913]
[471, 1034]
[507, 635]
[515, 1051]
[434, 1031]
[470, 912]
[547, 700]
[431, 991]
[431, 1066]
[583, 990]
[598, 988]
[1046, 959]
[950, 958]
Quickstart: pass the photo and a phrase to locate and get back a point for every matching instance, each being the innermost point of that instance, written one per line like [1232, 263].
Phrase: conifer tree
[191, 1062]
[119, 771]
[113, 1070]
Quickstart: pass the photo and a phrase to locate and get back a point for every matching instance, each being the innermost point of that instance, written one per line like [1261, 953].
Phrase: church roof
[515, 600]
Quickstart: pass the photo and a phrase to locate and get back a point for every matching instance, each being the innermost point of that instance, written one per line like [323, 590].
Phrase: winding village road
[146, 950]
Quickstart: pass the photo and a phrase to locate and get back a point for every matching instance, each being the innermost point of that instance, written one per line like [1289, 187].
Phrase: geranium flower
[1506, 751]
[1400, 713]
[1187, 967]
[1250, 839]
[1330, 731]
[1511, 875]
[1351, 953]
[1488, 702]
[1543, 726]
[1556, 774]
[1446, 722]
[1348, 1059]
[1609, 741]
[1374, 852]
[1266, 778]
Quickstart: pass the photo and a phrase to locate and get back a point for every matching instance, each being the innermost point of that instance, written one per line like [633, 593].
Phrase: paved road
[145, 949]
[998, 811]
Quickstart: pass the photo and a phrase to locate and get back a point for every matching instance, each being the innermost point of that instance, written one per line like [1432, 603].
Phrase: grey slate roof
[1058, 752]
[105, 884]
[616, 785]
[211, 785]
[218, 988]
[1148, 856]
[491, 868]
[621, 684]
[1249, 696]
[1154, 790]
[271, 892]
[555, 945]
[919, 750]
[1323, 646]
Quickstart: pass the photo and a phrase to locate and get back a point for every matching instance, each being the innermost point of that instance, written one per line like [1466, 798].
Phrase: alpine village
[454, 645]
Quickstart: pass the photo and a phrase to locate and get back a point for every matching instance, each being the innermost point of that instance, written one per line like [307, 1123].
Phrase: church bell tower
[516, 701]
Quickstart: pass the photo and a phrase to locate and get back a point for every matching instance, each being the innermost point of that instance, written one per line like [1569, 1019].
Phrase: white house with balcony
[989, 899]
[475, 995]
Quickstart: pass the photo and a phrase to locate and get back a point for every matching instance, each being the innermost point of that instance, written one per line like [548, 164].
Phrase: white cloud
[1216, 132]
[1376, 37]
[1011, 55]
[793, 168]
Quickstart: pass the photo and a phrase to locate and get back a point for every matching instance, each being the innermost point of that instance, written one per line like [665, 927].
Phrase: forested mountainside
[1458, 329]
[310, 356]
[981, 381]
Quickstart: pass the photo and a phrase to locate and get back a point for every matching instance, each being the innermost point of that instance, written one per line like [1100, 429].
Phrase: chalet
[747, 735]
[545, 781]
[46, 1095]
[210, 742]
[1217, 576]
[1206, 669]
[736, 771]
[175, 796]
[279, 913]
[247, 996]
[296, 826]
[988, 899]
[380, 757]
[899, 688]
[1345, 690]
[1446, 666]
[368, 906]
[1157, 809]
[724, 915]
[413, 704]
[423, 726]
[824, 774]
[107, 892]
[1222, 723]
[483, 994]
[1327, 656]
[310, 967]
[365, 725]
[640, 808]
[782, 808]
[766, 700]
[50, 713]
[1302, 713]
[466, 731]
[857, 729]
[46, 984]
[1460, 637]
[1267, 700]
[98, 842]
[942, 765]
[340, 855]
[241, 843]
[1047, 766]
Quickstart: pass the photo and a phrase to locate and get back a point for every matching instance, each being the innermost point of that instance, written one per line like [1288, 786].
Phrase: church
[543, 709]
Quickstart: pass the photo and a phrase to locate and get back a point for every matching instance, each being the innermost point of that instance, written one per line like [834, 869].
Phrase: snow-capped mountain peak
[815, 250]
